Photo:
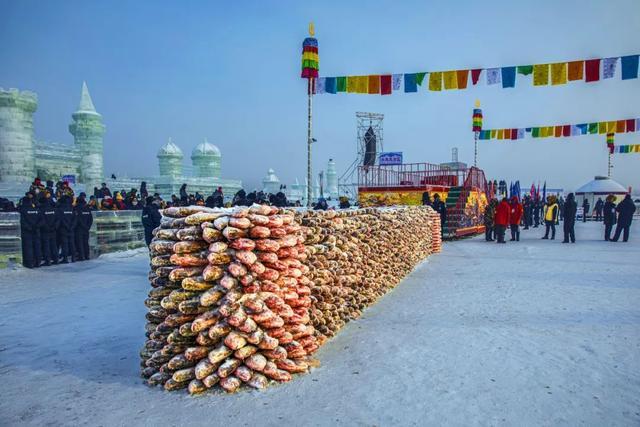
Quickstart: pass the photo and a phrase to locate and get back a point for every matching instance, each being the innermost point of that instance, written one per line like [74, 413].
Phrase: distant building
[22, 158]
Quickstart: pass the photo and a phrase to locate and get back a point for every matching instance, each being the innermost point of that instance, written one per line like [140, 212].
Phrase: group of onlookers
[512, 214]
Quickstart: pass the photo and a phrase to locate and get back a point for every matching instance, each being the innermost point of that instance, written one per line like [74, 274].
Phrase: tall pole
[475, 149]
[309, 140]
[609, 166]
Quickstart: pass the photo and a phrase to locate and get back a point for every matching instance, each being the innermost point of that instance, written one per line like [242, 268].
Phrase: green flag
[525, 70]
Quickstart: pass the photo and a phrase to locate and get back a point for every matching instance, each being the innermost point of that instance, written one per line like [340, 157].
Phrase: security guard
[48, 229]
[66, 228]
[30, 220]
[84, 219]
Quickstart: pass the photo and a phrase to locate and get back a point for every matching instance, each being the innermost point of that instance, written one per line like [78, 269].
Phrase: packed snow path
[529, 333]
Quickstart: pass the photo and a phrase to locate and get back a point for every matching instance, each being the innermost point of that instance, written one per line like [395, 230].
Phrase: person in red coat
[503, 212]
[515, 216]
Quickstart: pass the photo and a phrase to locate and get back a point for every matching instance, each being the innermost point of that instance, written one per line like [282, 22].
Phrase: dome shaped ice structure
[206, 159]
[170, 159]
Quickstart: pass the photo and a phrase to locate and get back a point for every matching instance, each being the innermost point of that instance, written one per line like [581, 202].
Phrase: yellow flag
[611, 126]
[362, 84]
[541, 74]
[351, 84]
[494, 133]
[602, 127]
[500, 133]
[559, 73]
[435, 81]
[450, 79]
[551, 130]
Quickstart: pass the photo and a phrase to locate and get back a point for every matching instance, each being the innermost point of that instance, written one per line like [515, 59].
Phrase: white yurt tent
[600, 187]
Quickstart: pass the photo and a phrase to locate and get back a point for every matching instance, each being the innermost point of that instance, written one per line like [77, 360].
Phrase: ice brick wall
[16, 135]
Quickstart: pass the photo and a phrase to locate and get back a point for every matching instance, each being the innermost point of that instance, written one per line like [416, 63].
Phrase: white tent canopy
[601, 185]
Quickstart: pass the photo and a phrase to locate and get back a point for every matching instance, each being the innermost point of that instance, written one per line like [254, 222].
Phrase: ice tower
[17, 155]
[87, 129]
[332, 180]
[170, 160]
[206, 159]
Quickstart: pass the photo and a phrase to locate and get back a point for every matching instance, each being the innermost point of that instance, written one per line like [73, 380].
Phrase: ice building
[22, 157]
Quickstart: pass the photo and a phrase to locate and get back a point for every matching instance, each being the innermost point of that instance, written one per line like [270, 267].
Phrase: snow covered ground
[528, 333]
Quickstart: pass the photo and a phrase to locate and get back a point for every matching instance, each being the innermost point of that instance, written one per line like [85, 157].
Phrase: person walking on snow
[609, 216]
[515, 216]
[625, 210]
[570, 209]
[502, 220]
[550, 217]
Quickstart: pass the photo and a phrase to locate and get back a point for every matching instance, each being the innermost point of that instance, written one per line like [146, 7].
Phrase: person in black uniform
[570, 208]
[84, 219]
[625, 210]
[150, 218]
[66, 228]
[48, 229]
[609, 215]
[30, 220]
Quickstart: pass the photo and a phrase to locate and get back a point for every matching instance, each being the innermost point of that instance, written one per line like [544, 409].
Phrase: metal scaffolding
[348, 181]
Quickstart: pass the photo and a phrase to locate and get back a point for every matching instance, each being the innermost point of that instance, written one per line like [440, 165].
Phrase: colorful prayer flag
[559, 73]
[330, 84]
[608, 67]
[396, 81]
[592, 70]
[320, 85]
[362, 84]
[435, 81]
[593, 128]
[575, 70]
[351, 84]
[631, 125]
[566, 130]
[341, 84]
[475, 75]
[420, 78]
[450, 79]
[374, 85]
[410, 83]
[541, 74]
[493, 76]
[385, 84]
[558, 131]
[621, 126]
[508, 77]
[463, 78]
[535, 132]
[525, 70]
[611, 126]
[629, 67]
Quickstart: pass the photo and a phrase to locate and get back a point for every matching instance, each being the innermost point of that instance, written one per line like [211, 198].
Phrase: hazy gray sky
[229, 71]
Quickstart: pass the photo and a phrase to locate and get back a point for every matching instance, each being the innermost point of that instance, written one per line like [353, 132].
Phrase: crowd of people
[512, 214]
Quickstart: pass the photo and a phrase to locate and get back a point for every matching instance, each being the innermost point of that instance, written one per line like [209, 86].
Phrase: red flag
[592, 70]
[631, 125]
[385, 85]
[514, 133]
[475, 75]
[566, 130]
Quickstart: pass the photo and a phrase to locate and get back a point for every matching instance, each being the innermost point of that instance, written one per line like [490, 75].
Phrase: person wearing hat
[66, 229]
[344, 202]
[48, 229]
[30, 220]
[84, 219]
[501, 220]
[150, 218]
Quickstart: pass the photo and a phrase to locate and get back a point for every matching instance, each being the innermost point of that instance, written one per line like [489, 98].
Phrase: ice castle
[22, 157]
